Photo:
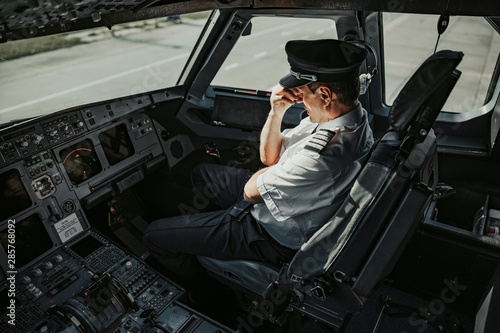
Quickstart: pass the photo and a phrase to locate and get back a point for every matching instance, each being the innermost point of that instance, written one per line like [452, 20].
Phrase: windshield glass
[258, 61]
[410, 38]
[47, 74]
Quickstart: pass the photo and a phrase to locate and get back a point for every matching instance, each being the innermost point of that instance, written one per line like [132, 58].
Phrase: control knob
[48, 265]
[58, 258]
[78, 124]
[23, 144]
[37, 138]
[37, 272]
[37, 292]
[53, 133]
[128, 265]
[64, 127]
[26, 279]
[31, 287]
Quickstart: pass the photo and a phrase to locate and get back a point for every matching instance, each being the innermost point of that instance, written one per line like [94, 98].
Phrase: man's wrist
[277, 113]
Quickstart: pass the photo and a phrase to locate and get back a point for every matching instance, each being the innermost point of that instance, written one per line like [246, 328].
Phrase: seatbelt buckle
[240, 210]
[321, 289]
[319, 292]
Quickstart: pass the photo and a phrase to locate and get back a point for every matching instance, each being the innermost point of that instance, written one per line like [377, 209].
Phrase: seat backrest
[366, 235]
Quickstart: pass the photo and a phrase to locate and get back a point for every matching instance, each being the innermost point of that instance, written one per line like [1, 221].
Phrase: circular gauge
[80, 162]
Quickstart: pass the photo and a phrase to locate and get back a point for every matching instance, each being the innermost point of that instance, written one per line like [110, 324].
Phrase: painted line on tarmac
[393, 24]
[260, 55]
[229, 67]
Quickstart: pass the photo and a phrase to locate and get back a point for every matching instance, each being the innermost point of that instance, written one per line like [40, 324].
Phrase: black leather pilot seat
[342, 264]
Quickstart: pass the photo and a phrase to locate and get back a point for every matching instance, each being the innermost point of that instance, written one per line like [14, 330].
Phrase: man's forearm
[251, 192]
[271, 139]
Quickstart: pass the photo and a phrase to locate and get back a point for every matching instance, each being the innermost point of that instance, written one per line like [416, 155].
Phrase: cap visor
[290, 81]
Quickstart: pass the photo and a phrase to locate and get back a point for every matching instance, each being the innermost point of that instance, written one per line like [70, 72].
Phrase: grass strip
[21, 48]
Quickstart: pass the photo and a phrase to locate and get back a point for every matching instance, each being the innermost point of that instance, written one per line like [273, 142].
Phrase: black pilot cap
[325, 60]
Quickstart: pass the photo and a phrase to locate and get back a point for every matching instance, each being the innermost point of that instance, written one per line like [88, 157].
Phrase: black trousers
[176, 241]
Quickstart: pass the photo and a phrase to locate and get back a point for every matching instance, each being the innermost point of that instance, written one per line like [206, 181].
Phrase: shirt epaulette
[319, 140]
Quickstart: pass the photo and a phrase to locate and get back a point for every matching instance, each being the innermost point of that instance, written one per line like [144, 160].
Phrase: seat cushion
[250, 275]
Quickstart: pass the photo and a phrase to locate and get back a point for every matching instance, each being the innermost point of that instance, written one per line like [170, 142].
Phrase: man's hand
[251, 192]
[283, 98]
[270, 137]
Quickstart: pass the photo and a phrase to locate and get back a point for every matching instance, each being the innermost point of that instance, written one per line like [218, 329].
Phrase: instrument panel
[61, 274]
[53, 163]
[51, 167]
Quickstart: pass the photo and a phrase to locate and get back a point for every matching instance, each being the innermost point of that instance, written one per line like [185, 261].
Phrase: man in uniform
[268, 215]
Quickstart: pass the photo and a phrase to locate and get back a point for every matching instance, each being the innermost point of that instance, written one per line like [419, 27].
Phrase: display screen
[80, 162]
[116, 144]
[13, 195]
[32, 240]
[86, 246]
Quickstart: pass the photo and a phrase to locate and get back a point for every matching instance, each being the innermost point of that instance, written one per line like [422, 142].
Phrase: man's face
[312, 103]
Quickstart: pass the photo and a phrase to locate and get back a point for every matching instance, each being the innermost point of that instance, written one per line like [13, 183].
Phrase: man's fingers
[283, 98]
[285, 93]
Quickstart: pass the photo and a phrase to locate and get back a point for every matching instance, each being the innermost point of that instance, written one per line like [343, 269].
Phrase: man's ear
[325, 94]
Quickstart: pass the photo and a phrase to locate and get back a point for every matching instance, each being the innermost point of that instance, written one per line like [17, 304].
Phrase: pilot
[267, 215]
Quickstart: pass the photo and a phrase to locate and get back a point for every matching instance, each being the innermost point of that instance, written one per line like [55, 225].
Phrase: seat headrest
[420, 88]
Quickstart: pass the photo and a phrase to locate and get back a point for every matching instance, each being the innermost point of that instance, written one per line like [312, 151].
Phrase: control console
[92, 285]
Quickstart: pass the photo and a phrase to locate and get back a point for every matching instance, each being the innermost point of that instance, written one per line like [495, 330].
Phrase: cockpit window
[410, 38]
[258, 60]
[47, 74]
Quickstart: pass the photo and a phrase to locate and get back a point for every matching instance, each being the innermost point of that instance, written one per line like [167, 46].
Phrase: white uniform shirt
[300, 191]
